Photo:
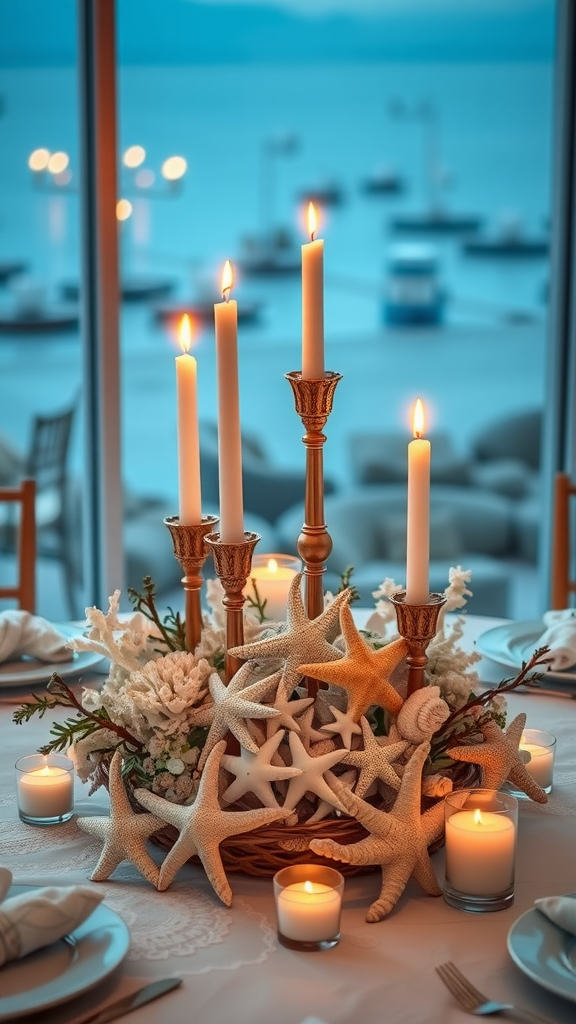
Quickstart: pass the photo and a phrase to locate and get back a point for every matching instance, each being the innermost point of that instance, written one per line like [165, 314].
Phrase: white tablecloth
[231, 963]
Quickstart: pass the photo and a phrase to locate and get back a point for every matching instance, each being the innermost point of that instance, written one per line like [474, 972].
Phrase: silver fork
[475, 1002]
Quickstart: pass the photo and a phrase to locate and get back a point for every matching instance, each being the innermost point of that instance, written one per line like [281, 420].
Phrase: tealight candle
[308, 906]
[45, 789]
[271, 577]
[539, 749]
[480, 849]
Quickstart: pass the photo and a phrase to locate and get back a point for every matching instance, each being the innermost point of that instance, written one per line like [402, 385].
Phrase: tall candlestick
[190, 501]
[229, 436]
[312, 302]
[418, 526]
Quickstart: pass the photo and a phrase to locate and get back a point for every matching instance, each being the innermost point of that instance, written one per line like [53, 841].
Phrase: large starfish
[398, 839]
[235, 703]
[254, 772]
[500, 758]
[203, 825]
[311, 778]
[363, 672]
[375, 761]
[302, 639]
[124, 833]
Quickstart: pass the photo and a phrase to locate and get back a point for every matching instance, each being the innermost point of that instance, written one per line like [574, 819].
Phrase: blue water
[495, 137]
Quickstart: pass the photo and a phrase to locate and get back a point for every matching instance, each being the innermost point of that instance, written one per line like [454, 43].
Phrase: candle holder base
[478, 904]
[308, 947]
[190, 550]
[233, 561]
[417, 624]
[29, 819]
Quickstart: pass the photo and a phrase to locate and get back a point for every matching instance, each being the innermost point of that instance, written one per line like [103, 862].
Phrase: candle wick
[312, 233]
[226, 294]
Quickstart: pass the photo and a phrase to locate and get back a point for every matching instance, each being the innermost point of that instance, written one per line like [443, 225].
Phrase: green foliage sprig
[257, 602]
[83, 724]
[171, 627]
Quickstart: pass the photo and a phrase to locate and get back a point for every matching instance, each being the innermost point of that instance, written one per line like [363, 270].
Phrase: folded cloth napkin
[560, 637]
[37, 918]
[561, 910]
[23, 633]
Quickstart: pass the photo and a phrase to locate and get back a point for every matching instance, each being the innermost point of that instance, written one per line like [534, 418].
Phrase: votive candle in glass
[537, 749]
[45, 788]
[480, 835]
[272, 576]
[308, 900]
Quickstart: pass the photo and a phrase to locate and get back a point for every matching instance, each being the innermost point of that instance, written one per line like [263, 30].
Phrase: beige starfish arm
[524, 781]
[373, 820]
[246, 821]
[433, 823]
[361, 853]
[408, 801]
[394, 880]
[217, 877]
[184, 848]
[426, 877]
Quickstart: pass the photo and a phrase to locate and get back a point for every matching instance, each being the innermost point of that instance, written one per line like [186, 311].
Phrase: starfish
[234, 703]
[124, 833]
[203, 825]
[326, 807]
[343, 725]
[375, 761]
[287, 710]
[310, 735]
[500, 758]
[311, 778]
[254, 772]
[302, 639]
[398, 839]
[362, 671]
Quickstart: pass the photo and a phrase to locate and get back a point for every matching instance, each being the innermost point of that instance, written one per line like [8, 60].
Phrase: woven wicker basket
[266, 850]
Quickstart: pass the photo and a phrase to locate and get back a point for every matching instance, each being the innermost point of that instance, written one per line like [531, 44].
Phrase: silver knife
[131, 1002]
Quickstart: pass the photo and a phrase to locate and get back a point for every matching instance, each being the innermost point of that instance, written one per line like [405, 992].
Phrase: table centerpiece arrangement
[252, 745]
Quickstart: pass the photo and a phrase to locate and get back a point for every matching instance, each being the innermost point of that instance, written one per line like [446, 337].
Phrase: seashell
[436, 785]
[422, 714]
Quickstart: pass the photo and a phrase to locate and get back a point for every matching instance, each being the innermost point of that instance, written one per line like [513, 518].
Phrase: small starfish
[287, 710]
[302, 638]
[398, 839]
[254, 772]
[310, 735]
[375, 761]
[362, 671]
[500, 758]
[234, 703]
[203, 825]
[311, 777]
[343, 725]
[124, 833]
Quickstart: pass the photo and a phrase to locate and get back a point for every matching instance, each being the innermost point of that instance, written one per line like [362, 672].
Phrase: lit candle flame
[272, 565]
[227, 280]
[418, 421]
[308, 887]
[312, 221]
[185, 333]
[478, 817]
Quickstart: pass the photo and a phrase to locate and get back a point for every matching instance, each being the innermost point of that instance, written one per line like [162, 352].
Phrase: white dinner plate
[545, 952]
[24, 671]
[515, 642]
[64, 969]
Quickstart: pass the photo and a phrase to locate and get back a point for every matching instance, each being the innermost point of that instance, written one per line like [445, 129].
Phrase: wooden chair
[24, 590]
[563, 583]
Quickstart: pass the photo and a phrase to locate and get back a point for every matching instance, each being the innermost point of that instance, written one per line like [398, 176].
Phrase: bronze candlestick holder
[417, 624]
[191, 551]
[313, 402]
[233, 562]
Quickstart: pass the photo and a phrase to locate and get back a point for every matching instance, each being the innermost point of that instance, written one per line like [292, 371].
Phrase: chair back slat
[563, 583]
[24, 590]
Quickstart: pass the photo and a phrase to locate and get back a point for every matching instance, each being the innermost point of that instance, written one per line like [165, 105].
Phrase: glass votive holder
[538, 750]
[480, 838]
[308, 900]
[272, 576]
[45, 788]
